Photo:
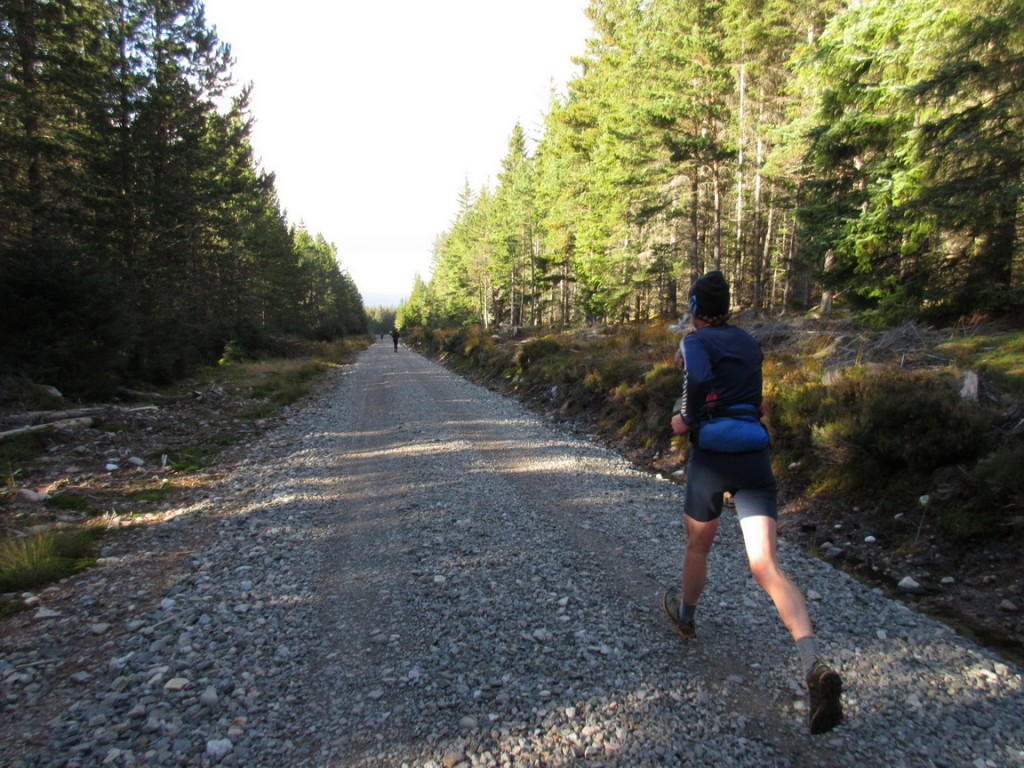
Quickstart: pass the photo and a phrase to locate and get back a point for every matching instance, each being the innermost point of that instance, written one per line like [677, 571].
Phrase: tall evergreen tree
[906, 143]
[460, 279]
[137, 235]
[516, 264]
[559, 207]
[761, 39]
[971, 148]
[55, 279]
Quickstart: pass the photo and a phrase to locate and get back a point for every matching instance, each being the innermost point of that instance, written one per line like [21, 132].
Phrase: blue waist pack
[732, 434]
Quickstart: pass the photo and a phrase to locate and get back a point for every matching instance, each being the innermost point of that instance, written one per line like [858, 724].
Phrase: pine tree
[58, 297]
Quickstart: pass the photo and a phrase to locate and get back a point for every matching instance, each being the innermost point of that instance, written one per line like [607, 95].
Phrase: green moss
[70, 502]
[164, 491]
[999, 357]
[192, 458]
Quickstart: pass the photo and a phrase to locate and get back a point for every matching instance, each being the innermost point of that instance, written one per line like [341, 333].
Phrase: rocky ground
[977, 587]
[373, 582]
[138, 460]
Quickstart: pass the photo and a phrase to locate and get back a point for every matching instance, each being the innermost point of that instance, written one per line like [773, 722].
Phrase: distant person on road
[722, 380]
[394, 337]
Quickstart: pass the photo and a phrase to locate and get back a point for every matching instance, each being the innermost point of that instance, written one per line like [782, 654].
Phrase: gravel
[414, 571]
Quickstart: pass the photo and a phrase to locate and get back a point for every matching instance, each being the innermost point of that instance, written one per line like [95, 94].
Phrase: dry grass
[852, 407]
[36, 560]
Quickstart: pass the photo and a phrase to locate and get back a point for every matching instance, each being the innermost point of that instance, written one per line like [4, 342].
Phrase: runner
[722, 380]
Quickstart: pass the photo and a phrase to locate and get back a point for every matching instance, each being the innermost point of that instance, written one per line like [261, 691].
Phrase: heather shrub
[538, 351]
[900, 421]
[999, 477]
[548, 362]
[790, 408]
[886, 429]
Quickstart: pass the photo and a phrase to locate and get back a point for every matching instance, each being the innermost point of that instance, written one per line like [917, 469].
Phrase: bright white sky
[373, 114]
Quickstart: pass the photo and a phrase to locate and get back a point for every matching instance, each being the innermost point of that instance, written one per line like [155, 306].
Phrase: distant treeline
[138, 237]
[818, 151]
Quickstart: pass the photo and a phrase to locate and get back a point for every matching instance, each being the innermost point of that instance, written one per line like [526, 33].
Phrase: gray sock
[808, 647]
[687, 612]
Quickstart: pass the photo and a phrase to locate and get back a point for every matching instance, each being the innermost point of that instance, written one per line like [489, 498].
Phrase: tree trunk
[716, 235]
[694, 252]
[756, 246]
[28, 106]
[763, 263]
[740, 169]
[828, 295]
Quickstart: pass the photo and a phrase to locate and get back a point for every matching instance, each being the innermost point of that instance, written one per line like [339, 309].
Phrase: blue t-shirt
[722, 368]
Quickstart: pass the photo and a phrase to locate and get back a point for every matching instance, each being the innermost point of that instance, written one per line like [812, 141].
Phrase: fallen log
[76, 423]
[134, 394]
[48, 417]
[42, 418]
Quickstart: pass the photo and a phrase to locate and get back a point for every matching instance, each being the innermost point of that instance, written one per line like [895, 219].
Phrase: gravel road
[414, 571]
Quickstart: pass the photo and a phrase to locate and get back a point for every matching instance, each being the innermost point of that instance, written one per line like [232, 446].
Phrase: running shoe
[672, 602]
[824, 688]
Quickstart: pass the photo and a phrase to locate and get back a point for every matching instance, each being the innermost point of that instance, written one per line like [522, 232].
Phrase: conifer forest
[863, 154]
[138, 237]
[857, 153]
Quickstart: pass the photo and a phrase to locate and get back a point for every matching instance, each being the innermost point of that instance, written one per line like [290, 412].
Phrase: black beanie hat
[709, 298]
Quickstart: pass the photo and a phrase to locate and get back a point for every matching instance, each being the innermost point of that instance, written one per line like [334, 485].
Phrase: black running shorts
[748, 477]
